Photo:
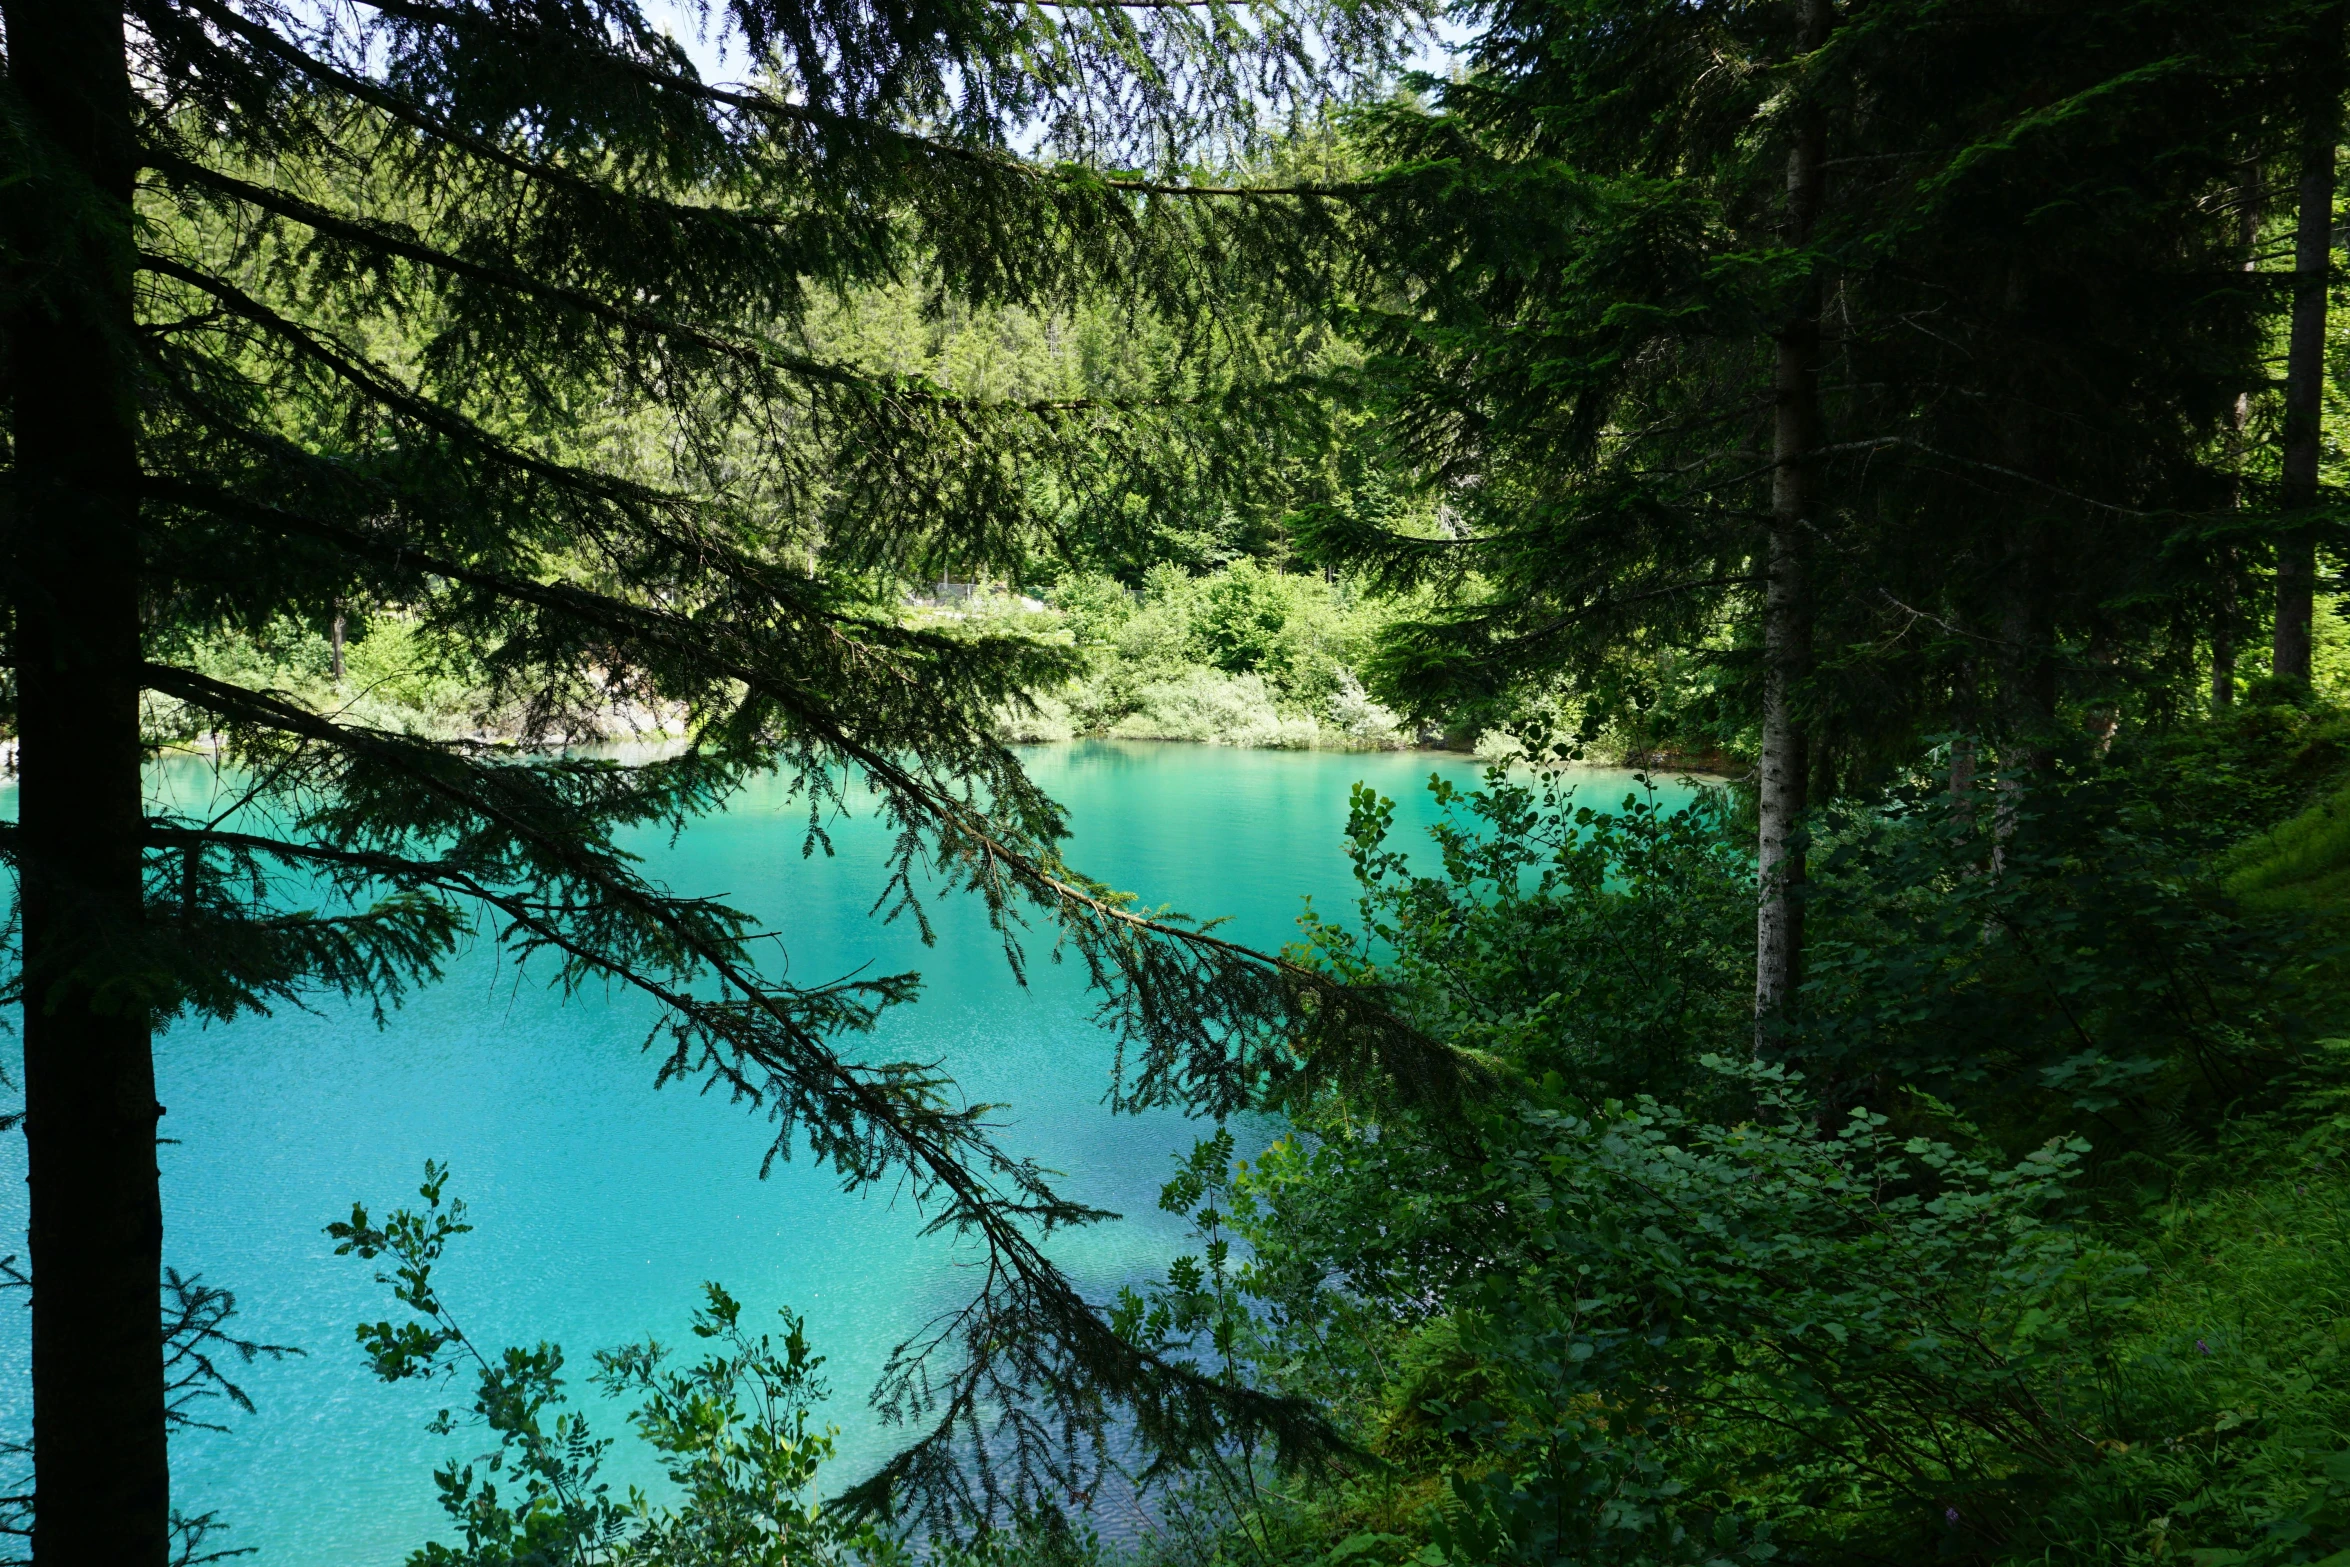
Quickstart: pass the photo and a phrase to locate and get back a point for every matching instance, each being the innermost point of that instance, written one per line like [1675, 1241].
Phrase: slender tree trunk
[1787, 594]
[2313, 230]
[102, 1487]
[2227, 604]
[335, 641]
[1820, 753]
[2223, 634]
[2028, 633]
[2024, 701]
[2105, 714]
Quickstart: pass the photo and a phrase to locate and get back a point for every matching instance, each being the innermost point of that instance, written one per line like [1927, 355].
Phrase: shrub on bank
[1209, 705]
[1247, 655]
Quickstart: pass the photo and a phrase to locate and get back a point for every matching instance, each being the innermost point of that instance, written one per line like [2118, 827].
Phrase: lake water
[601, 1205]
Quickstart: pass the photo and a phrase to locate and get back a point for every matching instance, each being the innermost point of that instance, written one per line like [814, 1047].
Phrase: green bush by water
[1244, 655]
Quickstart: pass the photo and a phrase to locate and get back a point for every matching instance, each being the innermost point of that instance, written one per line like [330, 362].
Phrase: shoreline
[636, 725]
[208, 746]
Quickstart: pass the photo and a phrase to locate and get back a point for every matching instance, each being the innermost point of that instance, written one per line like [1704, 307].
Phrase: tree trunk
[2227, 604]
[102, 1486]
[2223, 634]
[1787, 622]
[2313, 230]
[2027, 675]
[2024, 710]
[335, 640]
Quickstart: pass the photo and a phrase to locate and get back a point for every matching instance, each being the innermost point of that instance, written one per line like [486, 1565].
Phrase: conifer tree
[1787, 617]
[494, 317]
[2317, 101]
[2033, 324]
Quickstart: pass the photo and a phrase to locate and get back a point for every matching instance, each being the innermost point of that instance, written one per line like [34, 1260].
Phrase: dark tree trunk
[102, 1486]
[2027, 676]
[2313, 230]
[1787, 603]
[2024, 704]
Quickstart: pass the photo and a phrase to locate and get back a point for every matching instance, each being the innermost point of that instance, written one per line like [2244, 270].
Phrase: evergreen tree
[496, 317]
[1994, 481]
[1795, 520]
[2317, 100]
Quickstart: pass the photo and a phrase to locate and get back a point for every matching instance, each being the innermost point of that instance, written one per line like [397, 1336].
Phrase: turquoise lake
[601, 1205]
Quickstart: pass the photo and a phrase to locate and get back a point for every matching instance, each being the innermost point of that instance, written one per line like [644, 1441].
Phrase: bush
[1245, 655]
[1226, 709]
[1608, 941]
[732, 1429]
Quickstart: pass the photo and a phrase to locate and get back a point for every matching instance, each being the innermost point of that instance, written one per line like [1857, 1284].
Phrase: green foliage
[2026, 1251]
[1707, 1322]
[2270, 761]
[394, 679]
[2034, 507]
[1245, 654]
[2245, 1309]
[1706, 1343]
[575, 385]
[2050, 958]
[1610, 945]
[2243, 769]
[1202, 1300]
[1790, 1339]
[732, 1429]
[2302, 864]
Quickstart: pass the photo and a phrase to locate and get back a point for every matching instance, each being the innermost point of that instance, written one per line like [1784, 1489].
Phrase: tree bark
[2027, 636]
[2223, 635]
[2227, 606]
[2027, 675]
[102, 1486]
[2313, 233]
[1787, 593]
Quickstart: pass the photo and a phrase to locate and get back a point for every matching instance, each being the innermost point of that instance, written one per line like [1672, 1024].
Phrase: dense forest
[1922, 419]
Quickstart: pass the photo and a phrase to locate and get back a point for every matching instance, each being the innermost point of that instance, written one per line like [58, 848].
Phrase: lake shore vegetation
[1930, 1144]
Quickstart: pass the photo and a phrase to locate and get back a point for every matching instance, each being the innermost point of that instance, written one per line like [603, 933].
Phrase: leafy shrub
[1610, 945]
[1244, 655]
[2240, 771]
[1366, 724]
[1204, 705]
[2047, 960]
[1670, 1341]
[732, 1429]
[2038, 1260]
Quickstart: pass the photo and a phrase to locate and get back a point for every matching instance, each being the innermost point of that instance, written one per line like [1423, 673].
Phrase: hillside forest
[491, 429]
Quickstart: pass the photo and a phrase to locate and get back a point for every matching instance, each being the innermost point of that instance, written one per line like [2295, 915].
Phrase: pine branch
[1024, 1337]
[382, 240]
[376, 384]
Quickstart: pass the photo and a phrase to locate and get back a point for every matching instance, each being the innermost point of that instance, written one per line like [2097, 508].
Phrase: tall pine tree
[2317, 134]
[1901, 340]
[494, 316]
